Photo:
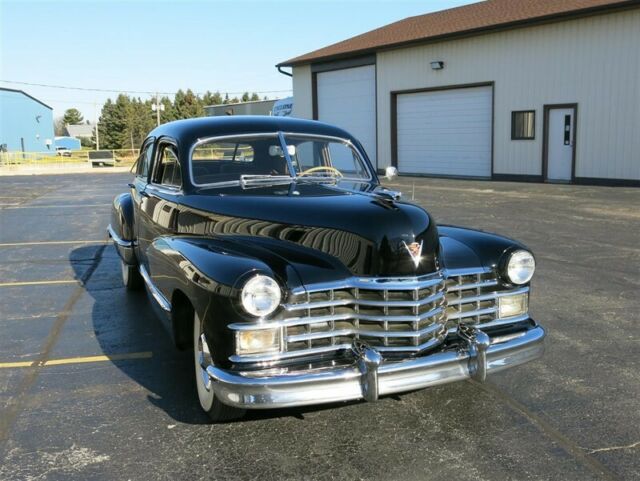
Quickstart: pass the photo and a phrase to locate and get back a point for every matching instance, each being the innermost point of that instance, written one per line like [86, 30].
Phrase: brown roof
[465, 20]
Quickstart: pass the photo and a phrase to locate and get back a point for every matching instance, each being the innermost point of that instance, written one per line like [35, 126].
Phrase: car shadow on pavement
[124, 322]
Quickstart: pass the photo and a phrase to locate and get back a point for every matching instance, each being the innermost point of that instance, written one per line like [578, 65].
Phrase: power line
[87, 89]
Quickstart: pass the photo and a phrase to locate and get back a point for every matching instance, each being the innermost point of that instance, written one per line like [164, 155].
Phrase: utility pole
[157, 107]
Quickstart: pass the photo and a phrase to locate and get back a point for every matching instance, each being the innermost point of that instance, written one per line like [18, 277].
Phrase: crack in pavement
[614, 448]
[14, 405]
[545, 427]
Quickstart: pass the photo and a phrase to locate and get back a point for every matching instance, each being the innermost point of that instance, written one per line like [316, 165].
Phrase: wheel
[215, 409]
[131, 277]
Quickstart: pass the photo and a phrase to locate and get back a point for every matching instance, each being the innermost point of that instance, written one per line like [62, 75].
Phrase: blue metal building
[26, 123]
[69, 143]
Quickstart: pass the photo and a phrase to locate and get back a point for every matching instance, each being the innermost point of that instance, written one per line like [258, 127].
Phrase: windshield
[263, 158]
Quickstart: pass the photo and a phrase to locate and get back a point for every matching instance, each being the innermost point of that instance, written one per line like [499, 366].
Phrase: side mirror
[391, 173]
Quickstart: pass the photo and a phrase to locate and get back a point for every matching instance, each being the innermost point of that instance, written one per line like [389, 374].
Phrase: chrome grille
[405, 315]
[389, 315]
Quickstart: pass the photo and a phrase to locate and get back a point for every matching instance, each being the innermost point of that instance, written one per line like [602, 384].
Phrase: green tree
[113, 123]
[245, 97]
[211, 98]
[72, 117]
[187, 105]
[254, 97]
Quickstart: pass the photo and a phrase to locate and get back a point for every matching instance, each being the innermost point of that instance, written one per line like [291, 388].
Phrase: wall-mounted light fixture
[437, 65]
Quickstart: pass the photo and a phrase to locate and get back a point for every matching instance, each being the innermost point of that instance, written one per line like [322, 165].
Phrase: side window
[342, 158]
[144, 160]
[168, 170]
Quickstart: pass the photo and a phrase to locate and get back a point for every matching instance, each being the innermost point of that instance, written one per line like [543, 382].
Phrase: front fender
[463, 248]
[211, 272]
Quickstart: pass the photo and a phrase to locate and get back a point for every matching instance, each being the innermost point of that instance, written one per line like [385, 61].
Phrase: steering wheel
[320, 168]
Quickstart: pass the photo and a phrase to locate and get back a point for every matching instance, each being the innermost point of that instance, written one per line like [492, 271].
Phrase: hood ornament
[415, 251]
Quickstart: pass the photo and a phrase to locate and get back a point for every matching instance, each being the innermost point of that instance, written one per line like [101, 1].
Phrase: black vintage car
[275, 254]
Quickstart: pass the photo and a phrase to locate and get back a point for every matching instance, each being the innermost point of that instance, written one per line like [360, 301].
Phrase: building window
[523, 125]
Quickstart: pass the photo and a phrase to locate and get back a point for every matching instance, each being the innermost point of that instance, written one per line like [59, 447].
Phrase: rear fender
[121, 228]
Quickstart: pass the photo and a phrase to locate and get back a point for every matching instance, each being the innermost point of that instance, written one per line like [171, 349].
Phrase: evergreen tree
[187, 105]
[245, 97]
[211, 98]
[255, 97]
[72, 117]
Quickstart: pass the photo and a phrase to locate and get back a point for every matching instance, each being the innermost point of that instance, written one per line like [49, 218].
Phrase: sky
[230, 46]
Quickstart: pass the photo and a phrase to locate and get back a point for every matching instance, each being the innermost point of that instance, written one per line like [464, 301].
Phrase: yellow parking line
[59, 206]
[38, 283]
[78, 360]
[38, 243]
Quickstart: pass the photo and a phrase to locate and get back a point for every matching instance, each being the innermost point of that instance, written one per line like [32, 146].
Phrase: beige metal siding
[594, 61]
[302, 97]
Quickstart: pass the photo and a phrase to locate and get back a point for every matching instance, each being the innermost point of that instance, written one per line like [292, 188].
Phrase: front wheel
[215, 409]
[131, 277]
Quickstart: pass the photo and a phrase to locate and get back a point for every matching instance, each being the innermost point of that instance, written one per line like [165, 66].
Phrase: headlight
[260, 296]
[258, 341]
[520, 267]
[514, 305]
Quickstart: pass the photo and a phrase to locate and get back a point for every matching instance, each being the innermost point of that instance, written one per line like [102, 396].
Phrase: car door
[140, 181]
[158, 206]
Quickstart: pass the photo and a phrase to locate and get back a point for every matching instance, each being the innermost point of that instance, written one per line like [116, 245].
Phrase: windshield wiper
[247, 180]
[316, 178]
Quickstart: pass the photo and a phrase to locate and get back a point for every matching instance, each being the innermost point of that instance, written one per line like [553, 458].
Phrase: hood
[369, 233]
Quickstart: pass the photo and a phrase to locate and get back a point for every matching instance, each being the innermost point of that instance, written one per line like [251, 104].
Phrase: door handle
[131, 185]
[144, 194]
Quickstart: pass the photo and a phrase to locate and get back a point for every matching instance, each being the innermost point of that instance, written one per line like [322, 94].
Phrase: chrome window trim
[281, 136]
[204, 140]
[342, 141]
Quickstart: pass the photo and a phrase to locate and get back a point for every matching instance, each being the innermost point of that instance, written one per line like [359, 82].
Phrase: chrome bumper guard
[370, 376]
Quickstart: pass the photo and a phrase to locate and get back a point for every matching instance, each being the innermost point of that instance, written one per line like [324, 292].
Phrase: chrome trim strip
[298, 321]
[306, 387]
[364, 332]
[375, 283]
[154, 291]
[118, 240]
[363, 302]
[473, 285]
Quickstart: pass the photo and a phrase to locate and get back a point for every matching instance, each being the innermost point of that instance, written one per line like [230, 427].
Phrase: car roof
[190, 130]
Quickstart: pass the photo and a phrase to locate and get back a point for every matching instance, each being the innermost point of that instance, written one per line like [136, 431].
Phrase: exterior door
[445, 132]
[560, 143]
[347, 98]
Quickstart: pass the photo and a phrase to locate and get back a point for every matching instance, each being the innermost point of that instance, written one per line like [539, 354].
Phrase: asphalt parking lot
[91, 388]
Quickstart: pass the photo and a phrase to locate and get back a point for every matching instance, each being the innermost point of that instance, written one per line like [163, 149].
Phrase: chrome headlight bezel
[519, 267]
[260, 296]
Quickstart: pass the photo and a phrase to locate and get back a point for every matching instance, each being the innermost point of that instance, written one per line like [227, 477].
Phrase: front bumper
[370, 376]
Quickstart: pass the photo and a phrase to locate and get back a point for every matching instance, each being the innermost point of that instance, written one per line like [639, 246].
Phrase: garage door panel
[445, 132]
[346, 98]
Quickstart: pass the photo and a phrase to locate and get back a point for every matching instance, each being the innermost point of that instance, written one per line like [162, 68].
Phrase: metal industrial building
[26, 123]
[255, 107]
[534, 90]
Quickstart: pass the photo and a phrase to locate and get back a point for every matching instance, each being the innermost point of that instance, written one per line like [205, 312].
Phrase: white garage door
[445, 132]
[347, 98]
